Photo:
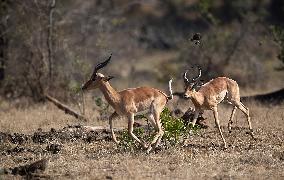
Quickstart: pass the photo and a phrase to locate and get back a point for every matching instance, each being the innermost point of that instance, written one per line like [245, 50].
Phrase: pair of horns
[101, 65]
[186, 80]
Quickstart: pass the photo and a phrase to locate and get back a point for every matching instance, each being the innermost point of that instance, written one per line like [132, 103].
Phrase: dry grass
[201, 157]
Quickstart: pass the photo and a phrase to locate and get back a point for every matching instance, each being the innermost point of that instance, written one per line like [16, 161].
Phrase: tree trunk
[3, 38]
[50, 40]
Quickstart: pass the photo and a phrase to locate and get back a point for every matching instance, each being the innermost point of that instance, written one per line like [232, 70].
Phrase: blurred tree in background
[278, 33]
[51, 46]
[4, 5]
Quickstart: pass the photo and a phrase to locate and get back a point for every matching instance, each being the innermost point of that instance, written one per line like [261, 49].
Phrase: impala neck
[111, 95]
[197, 98]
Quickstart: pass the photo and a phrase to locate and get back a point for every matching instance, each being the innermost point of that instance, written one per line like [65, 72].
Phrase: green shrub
[174, 128]
[127, 142]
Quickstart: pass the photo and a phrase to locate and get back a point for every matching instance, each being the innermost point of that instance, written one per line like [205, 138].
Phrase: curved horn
[185, 78]
[199, 75]
[102, 64]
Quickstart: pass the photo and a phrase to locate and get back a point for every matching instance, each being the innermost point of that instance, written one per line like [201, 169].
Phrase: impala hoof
[252, 135]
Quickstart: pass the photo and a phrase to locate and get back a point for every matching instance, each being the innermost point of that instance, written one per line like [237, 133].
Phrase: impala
[128, 102]
[211, 94]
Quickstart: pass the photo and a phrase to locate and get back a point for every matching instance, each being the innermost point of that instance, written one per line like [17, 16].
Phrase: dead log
[65, 108]
[188, 116]
[275, 97]
[100, 129]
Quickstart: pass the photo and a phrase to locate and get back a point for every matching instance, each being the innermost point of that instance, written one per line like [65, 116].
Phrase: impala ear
[107, 78]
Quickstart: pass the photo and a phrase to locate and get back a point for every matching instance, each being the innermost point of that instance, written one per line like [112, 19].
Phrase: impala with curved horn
[211, 94]
[128, 102]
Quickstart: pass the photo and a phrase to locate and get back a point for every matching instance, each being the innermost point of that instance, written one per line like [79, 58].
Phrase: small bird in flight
[196, 38]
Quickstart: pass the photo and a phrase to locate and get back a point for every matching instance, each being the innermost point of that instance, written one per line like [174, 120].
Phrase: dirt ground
[95, 156]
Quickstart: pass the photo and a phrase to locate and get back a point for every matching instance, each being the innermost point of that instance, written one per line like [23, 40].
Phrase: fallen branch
[275, 97]
[107, 129]
[188, 116]
[65, 108]
[87, 129]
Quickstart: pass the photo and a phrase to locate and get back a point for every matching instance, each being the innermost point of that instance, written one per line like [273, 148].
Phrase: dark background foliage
[51, 46]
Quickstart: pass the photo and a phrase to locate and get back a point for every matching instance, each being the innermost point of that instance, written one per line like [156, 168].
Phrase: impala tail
[171, 96]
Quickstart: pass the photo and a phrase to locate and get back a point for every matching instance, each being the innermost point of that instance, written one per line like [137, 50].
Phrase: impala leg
[157, 139]
[195, 116]
[151, 118]
[112, 116]
[196, 113]
[130, 130]
[245, 110]
[215, 112]
[161, 132]
[248, 116]
[231, 119]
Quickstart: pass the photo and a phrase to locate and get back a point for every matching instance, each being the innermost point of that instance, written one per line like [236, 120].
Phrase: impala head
[190, 85]
[97, 78]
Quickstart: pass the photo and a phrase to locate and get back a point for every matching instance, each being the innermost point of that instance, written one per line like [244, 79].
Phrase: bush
[174, 128]
[127, 143]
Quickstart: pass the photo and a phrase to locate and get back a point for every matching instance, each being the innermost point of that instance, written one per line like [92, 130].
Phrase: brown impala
[211, 94]
[128, 102]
